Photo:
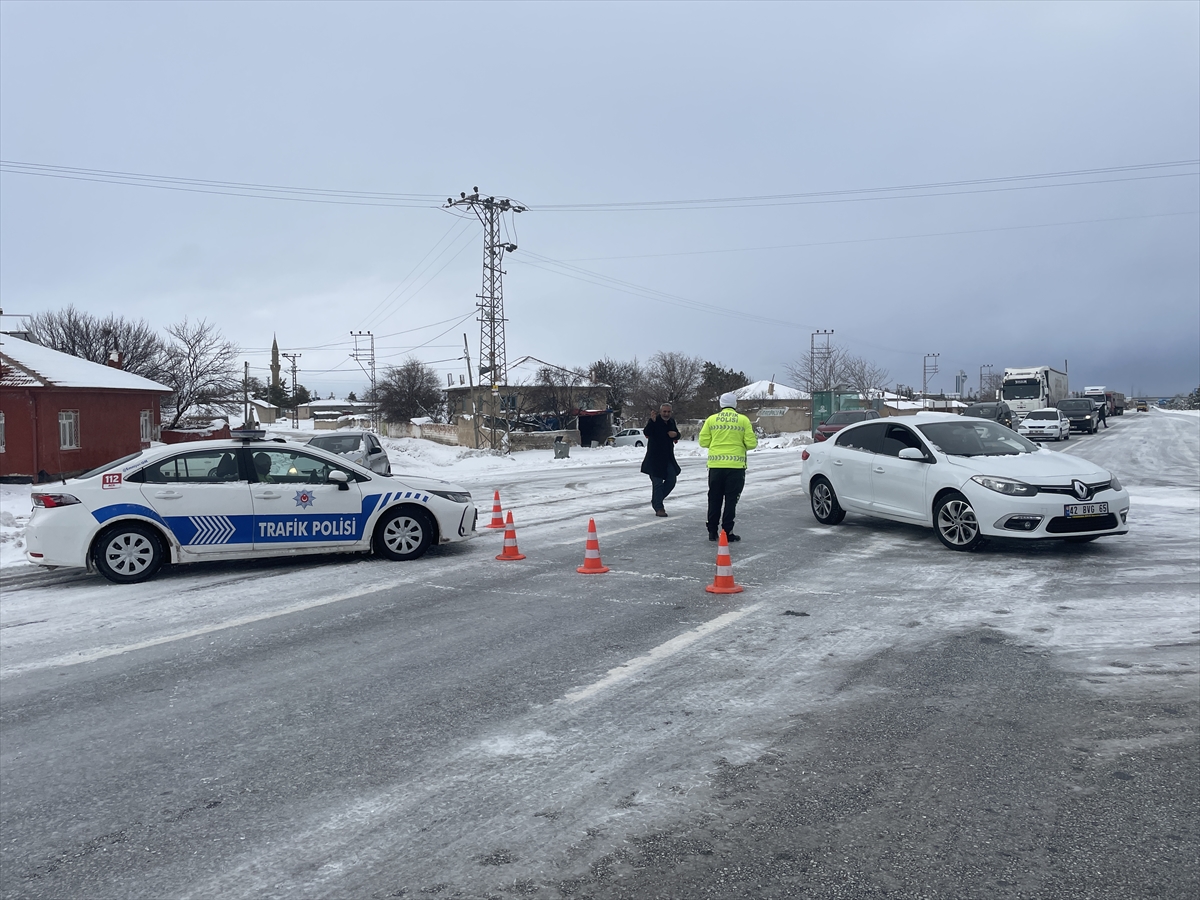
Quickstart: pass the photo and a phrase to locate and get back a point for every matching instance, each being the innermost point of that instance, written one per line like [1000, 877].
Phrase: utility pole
[820, 355]
[292, 357]
[246, 394]
[471, 384]
[930, 368]
[366, 353]
[493, 359]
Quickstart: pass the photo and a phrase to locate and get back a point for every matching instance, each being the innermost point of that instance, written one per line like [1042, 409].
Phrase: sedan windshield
[1043, 414]
[976, 437]
[983, 411]
[1076, 406]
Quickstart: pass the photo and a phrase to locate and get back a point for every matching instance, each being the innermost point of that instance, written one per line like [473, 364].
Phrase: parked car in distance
[997, 411]
[840, 420]
[1045, 425]
[1083, 413]
[1142, 406]
[360, 447]
[629, 437]
[967, 479]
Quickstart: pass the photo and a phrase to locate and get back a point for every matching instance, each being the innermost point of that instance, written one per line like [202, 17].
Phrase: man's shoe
[731, 537]
[661, 513]
[711, 536]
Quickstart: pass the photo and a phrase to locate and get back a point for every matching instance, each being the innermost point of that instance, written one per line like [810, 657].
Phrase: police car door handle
[268, 495]
[167, 495]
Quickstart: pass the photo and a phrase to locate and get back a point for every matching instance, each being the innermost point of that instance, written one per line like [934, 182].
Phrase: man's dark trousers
[724, 488]
[661, 488]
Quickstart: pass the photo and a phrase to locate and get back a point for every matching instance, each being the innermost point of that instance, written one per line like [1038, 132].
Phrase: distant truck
[1033, 387]
[1114, 401]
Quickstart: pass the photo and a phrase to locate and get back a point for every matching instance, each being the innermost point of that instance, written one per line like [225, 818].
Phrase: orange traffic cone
[497, 514]
[723, 582]
[510, 542]
[591, 556]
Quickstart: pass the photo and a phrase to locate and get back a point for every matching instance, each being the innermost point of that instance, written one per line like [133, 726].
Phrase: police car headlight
[1006, 486]
[454, 496]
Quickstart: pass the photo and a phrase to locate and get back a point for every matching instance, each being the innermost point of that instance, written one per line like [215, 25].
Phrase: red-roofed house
[61, 415]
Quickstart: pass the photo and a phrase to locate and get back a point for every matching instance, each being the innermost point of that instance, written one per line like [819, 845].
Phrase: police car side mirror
[340, 478]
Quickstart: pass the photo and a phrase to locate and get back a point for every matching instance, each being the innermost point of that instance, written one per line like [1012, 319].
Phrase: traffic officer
[727, 435]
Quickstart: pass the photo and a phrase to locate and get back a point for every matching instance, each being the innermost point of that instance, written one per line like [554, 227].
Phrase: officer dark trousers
[724, 488]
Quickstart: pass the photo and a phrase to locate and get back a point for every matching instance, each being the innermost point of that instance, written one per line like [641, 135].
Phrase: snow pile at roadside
[786, 441]
[15, 508]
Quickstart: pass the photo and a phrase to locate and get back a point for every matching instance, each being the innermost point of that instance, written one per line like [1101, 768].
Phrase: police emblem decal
[304, 499]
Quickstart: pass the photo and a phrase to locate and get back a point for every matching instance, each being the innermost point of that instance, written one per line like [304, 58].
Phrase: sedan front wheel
[956, 524]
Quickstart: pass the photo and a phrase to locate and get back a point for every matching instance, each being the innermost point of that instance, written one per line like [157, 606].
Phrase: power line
[558, 267]
[388, 199]
[943, 188]
[897, 237]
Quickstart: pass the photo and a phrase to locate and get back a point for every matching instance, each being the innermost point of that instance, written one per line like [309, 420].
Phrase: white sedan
[1045, 425]
[231, 499]
[968, 479]
[629, 437]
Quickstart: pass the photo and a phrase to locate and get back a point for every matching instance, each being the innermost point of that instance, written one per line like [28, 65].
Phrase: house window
[68, 429]
[147, 426]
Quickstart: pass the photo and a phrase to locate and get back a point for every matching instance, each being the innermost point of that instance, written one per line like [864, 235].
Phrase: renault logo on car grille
[1081, 490]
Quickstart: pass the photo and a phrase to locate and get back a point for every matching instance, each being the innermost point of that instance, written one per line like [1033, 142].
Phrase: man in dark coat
[661, 436]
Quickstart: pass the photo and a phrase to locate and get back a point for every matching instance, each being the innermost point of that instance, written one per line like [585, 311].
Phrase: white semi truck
[1033, 387]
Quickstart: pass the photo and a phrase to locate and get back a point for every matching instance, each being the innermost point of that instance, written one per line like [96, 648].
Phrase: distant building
[775, 407]
[61, 415]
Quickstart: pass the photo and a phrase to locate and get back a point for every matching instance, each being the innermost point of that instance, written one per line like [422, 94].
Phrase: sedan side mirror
[912, 453]
[340, 478]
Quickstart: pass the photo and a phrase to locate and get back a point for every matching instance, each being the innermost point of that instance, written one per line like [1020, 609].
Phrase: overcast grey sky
[572, 104]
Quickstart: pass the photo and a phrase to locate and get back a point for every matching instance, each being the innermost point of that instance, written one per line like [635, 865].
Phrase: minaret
[274, 365]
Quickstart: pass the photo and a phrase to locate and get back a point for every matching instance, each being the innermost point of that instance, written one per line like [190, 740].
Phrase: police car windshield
[111, 465]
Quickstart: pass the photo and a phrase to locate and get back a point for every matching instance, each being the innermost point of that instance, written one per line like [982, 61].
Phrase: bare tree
[675, 377]
[200, 367]
[819, 371]
[626, 382]
[864, 376]
[409, 390]
[81, 334]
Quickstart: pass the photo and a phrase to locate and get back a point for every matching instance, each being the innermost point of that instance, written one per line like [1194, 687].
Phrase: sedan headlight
[454, 496]
[1006, 486]
[1114, 484]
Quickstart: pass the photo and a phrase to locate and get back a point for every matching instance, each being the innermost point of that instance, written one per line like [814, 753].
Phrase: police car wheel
[128, 553]
[403, 534]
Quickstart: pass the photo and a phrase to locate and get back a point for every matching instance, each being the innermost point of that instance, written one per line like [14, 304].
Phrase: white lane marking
[608, 532]
[88, 656]
[658, 654]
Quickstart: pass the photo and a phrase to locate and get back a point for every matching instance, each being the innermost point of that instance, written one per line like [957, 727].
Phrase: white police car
[232, 499]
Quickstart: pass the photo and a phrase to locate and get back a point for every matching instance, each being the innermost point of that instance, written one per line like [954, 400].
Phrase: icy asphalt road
[874, 716]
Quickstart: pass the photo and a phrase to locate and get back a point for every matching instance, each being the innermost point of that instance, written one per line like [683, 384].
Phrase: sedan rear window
[337, 443]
